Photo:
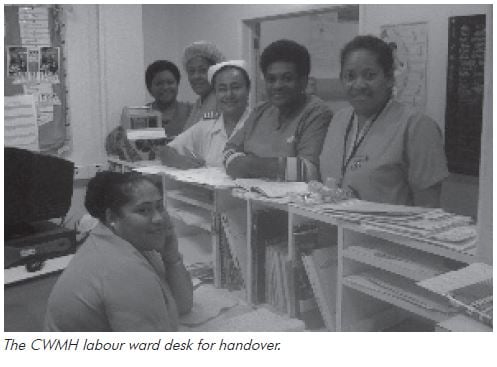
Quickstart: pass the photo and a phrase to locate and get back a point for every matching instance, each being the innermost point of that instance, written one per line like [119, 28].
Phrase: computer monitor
[37, 187]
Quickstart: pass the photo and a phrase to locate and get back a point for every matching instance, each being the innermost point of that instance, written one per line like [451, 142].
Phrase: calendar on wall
[35, 93]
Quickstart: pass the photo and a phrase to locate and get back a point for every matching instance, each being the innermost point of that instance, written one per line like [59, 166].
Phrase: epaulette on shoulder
[211, 115]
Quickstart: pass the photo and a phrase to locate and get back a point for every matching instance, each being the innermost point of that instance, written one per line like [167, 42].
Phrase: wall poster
[409, 43]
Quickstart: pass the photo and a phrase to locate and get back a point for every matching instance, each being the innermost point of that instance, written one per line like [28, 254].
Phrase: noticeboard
[465, 77]
[34, 55]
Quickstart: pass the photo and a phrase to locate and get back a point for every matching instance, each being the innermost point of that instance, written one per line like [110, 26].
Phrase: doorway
[324, 33]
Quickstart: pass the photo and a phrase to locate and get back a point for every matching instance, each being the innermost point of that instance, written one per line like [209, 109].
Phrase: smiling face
[367, 86]
[142, 221]
[283, 84]
[164, 87]
[197, 69]
[231, 90]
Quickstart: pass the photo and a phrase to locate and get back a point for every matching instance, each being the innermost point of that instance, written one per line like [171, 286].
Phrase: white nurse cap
[236, 63]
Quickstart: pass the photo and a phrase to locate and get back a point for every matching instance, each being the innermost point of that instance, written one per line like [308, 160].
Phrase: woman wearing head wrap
[203, 143]
[128, 275]
[290, 124]
[197, 58]
[379, 149]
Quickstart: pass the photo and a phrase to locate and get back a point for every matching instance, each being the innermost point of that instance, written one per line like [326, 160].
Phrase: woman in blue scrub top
[380, 149]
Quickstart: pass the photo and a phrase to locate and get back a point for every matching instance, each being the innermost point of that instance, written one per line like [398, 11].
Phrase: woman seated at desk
[162, 79]
[290, 123]
[197, 59]
[380, 149]
[203, 143]
[128, 275]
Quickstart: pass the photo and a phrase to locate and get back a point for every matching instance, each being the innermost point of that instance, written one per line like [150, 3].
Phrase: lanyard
[360, 135]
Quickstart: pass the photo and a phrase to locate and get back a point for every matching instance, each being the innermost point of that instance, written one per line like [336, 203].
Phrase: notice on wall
[17, 60]
[33, 25]
[323, 44]
[409, 43]
[20, 122]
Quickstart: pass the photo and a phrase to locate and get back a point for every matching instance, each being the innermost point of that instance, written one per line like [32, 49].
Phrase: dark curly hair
[111, 190]
[287, 51]
[374, 45]
[160, 66]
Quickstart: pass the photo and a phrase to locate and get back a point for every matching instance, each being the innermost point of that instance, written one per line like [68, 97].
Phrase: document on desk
[368, 207]
[210, 176]
[272, 189]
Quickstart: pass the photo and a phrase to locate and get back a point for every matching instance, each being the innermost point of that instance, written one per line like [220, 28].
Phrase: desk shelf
[385, 268]
[190, 197]
[192, 216]
[409, 299]
[411, 264]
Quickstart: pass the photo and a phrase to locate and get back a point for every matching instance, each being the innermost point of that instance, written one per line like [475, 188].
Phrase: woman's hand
[170, 157]
[170, 251]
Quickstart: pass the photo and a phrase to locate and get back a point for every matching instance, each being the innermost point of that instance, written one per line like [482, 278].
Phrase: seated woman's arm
[183, 152]
[310, 138]
[239, 164]
[170, 157]
[250, 165]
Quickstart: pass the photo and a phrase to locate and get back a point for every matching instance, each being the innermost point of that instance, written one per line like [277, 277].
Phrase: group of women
[377, 149]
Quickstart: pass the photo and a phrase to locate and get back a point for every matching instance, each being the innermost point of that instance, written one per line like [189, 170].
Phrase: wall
[485, 204]
[221, 24]
[160, 35]
[105, 71]
[105, 66]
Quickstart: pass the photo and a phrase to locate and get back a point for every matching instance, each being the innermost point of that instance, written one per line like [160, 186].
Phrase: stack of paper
[210, 176]
[434, 226]
[272, 189]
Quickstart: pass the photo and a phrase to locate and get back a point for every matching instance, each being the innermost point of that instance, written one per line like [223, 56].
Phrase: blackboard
[465, 76]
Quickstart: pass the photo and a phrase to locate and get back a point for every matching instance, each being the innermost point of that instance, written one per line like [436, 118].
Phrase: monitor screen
[37, 187]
